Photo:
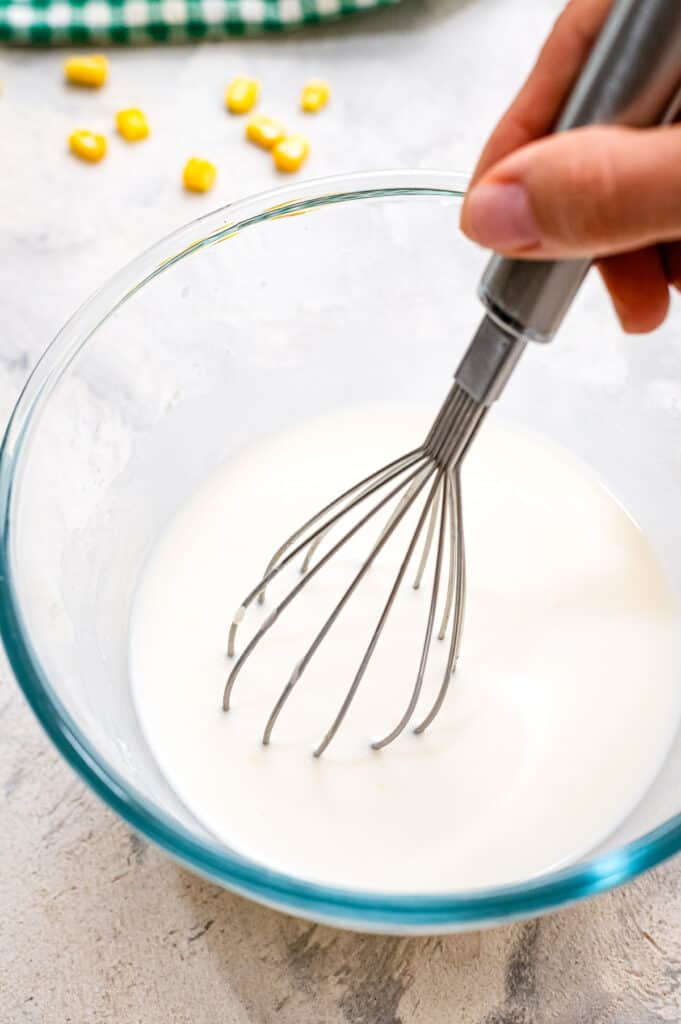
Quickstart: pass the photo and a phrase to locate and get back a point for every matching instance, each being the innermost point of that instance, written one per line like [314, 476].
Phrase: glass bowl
[235, 326]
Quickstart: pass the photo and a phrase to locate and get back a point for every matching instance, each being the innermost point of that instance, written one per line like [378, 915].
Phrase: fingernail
[500, 217]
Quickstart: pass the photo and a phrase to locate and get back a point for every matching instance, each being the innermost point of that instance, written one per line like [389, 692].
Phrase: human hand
[609, 193]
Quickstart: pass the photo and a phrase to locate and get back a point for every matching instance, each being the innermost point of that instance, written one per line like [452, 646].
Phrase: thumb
[587, 192]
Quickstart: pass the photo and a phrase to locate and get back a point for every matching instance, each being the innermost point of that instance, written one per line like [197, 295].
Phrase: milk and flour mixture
[563, 707]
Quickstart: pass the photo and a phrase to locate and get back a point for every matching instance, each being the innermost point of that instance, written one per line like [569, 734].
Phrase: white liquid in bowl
[562, 710]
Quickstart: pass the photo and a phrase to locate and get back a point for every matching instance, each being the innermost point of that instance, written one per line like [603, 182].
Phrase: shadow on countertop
[536, 972]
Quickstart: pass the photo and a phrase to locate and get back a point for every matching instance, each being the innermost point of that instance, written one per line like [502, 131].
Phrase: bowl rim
[369, 911]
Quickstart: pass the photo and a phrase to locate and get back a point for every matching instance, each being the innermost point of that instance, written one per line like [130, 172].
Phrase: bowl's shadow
[547, 970]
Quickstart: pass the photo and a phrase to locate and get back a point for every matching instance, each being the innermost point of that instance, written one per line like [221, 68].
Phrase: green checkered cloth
[64, 22]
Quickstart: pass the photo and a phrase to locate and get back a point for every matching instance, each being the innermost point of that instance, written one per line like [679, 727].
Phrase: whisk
[433, 468]
[631, 77]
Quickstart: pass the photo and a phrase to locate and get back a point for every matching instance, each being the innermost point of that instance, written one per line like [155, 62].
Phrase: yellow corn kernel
[132, 124]
[315, 95]
[88, 145]
[91, 70]
[291, 152]
[199, 175]
[265, 131]
[242, 94]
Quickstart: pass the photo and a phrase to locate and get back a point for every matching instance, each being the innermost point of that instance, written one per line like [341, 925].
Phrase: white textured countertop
[98, 927]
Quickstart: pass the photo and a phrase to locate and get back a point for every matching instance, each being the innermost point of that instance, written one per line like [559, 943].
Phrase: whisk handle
[632, 77]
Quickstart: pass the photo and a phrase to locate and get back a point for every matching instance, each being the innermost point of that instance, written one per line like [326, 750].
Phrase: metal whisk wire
[404, 479]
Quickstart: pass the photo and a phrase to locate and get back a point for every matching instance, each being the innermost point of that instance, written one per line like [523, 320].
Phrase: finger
[537, 105]
[584, 193]
[671, 255]
[638, 286]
